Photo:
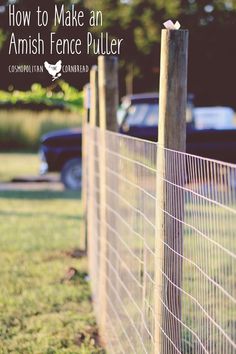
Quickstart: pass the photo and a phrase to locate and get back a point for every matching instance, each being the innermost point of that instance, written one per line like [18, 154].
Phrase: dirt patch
[72, 274]
[89, 334]
[76, 253]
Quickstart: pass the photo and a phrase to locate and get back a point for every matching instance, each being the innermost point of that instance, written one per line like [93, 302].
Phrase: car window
[120, 115]
[142, 114]
[122, 111]
[151, 118]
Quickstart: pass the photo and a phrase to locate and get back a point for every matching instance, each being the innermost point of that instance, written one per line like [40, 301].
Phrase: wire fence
[172, 294]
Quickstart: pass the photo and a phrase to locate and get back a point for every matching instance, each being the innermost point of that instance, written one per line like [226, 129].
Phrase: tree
[212, 25]
[212, 52]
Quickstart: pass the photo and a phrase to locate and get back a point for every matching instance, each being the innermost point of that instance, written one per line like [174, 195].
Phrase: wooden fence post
[92, 162]
[86, 95]
[94, 109]
[94, 121]
[108, 104]
[169, 231]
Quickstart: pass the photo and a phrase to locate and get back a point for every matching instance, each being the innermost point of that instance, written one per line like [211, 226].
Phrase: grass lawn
[44, 307]
[16, 164]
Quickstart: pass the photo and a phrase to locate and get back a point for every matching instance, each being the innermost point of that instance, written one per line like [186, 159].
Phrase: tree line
[212, 49]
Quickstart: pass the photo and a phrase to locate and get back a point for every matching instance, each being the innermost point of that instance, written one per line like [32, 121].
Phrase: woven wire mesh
[178, 291]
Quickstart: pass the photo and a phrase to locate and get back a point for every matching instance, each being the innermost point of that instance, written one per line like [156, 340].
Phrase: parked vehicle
[137, 116]
[61, 151]
[214, 118]
[139, 119]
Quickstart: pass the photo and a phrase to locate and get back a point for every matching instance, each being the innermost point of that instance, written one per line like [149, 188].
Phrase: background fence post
[108, 104]
[169, 237]
[92, 161]
[86, 95]
[94, 109]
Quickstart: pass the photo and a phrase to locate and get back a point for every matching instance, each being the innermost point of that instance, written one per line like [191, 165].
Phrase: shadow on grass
[39, 194]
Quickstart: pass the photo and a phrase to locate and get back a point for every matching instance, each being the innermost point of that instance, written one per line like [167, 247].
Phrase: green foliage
[142, 20]
[67, 97]
[21, 127]
[211, 24]
[2, 38]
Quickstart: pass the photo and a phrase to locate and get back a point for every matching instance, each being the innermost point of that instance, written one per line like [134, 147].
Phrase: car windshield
[122, 111]
[142, 114]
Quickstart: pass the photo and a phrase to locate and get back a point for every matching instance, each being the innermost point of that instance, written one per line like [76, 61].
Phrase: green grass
[17, 164]
[42, 310]
[22, 129]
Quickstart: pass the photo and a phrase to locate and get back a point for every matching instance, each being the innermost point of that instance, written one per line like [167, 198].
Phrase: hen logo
[54, 69]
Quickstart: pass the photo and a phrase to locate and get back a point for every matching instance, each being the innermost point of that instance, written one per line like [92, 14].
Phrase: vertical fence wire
[201, 200]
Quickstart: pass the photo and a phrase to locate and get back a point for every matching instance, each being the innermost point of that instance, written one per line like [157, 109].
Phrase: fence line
[200, 198]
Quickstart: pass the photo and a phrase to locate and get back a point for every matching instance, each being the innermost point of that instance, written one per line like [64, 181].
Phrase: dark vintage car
[61, 151]
[137, 116]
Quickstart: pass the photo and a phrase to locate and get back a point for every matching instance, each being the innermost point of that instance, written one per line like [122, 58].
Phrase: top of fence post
[173, 89]
[169, 195]
[86, 95]
[94, 109]
[108, 92]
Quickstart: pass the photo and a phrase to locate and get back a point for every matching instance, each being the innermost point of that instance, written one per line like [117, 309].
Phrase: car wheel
[71, 174]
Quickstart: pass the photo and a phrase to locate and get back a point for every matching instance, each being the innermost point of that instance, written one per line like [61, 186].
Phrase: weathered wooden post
[108, 104]
[86, 94]
[92, 210]
[170, 199]
[94, 110]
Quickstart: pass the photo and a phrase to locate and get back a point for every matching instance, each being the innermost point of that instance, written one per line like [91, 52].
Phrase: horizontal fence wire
[141, 287]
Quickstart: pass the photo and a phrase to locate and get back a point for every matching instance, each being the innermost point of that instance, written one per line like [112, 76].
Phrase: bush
[25, 116]
[62, 96]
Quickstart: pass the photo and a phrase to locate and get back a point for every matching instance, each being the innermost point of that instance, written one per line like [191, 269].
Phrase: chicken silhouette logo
[54, 69]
